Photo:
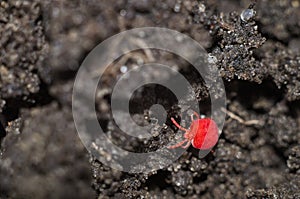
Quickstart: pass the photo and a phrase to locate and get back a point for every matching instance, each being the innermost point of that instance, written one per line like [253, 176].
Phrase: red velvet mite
[203, 133]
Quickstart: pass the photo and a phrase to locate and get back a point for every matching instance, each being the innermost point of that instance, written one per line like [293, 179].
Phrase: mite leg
[177, 145]
[187, 145]
[178, 126]
[195, 114]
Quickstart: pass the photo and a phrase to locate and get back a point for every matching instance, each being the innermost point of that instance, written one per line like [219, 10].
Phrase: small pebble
[177, 7]
[179, 38]
[247, 14]
[123, 69]
[212, 59]
[123, 13]
[201, 8]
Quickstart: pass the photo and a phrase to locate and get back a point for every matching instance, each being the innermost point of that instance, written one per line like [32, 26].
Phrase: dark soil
[42, 45]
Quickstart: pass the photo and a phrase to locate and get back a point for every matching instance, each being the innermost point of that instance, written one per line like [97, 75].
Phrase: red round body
[205, 133]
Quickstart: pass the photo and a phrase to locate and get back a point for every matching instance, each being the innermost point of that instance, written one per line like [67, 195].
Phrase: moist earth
[43, 44]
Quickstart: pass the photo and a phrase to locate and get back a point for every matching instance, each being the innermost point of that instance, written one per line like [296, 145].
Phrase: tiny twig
[241, 120]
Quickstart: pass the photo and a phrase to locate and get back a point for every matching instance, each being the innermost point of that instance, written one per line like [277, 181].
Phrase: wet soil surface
[254, 45]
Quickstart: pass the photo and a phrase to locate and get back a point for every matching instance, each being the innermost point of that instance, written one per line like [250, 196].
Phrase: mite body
[203, 133]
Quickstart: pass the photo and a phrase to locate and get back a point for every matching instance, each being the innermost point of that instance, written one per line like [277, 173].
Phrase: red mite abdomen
[206, 135]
